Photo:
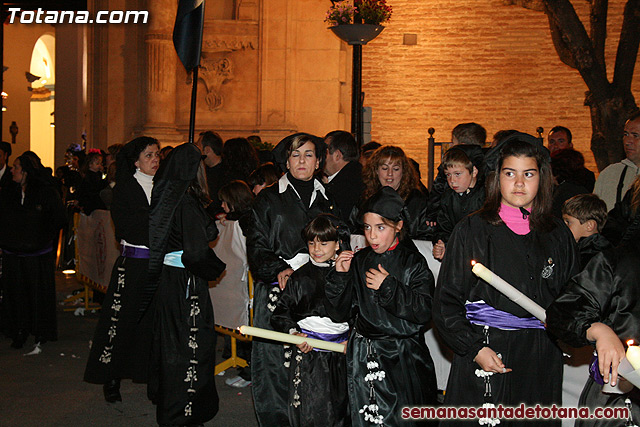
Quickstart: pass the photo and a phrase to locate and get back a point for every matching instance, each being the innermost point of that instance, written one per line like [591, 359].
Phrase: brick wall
[476, 60]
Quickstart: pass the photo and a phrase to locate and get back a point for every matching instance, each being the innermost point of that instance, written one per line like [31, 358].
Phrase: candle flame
[629, 342]
[473, 262]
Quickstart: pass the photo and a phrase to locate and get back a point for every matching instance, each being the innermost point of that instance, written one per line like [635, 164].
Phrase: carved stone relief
[214, 73]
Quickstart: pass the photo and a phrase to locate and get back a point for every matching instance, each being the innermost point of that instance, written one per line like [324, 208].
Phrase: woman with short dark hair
[122, 340]
[275, 248]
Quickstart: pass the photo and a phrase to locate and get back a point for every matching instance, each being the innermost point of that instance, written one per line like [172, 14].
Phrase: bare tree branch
[527, 4]
[627, 48]
[564, 53]
[599, 9]
[575, 38]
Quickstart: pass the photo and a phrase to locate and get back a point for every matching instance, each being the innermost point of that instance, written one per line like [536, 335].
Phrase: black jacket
[607, 291]
[130, 212]
[454, 207]
[346, 188]
[34, 224]
[277, 221]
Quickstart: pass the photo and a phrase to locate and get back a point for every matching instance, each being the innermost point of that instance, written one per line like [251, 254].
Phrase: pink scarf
[513, 217]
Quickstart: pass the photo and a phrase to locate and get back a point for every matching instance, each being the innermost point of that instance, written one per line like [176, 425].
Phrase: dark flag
[187, 32]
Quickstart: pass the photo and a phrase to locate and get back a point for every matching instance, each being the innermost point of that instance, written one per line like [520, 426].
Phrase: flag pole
[192, 116]
[187, 39]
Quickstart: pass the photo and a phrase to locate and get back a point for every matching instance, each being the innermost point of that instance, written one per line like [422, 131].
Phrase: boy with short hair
[465, 193]
[586, 215]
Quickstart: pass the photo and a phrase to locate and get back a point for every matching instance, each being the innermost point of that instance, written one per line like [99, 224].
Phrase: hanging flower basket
[357, 33]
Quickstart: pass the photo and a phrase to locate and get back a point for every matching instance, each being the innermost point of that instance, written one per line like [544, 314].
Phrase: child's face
[322, 251]
[519, 181]
[96, 165]
[460, 179]
[225, 207]
[379, 235]
[578, 230]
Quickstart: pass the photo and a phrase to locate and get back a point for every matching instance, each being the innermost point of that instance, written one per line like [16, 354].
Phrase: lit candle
[291, 339]
[633, 354]
[508, 290]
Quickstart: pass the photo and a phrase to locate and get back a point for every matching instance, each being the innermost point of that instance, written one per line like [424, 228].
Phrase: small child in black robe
[463, 196]
[586, 215]
[601, 306]
[389, 285]
[317, 378]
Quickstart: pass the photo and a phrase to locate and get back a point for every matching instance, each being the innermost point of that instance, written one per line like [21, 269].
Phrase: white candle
[512, 293]
[633, 355]
[292, 339]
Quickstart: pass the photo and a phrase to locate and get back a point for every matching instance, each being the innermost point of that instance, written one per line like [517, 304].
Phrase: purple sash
[337, 338]
[134, 252]
[594, 370]
[36, 253]
[480, 313]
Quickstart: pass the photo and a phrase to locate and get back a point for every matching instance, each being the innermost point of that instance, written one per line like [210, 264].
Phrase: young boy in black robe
[586, 215]
[601, 306]
[317, 378]
[389, 286]
[465, 192]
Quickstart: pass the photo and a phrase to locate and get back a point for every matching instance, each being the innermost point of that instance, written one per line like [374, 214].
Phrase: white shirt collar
[3, 170]
[284, 182]
[330, 177]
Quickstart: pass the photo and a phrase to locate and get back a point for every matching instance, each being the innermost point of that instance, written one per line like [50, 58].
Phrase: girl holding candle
[601, 306]
[503, 355]
[386, 290]
[317, 378]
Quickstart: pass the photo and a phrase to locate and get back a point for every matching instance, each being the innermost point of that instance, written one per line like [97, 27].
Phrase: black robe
[322, 389]
[454, 207]
[388, 329]
[28, 238]
[277, 220]
[126, 354]
[606, 291]
[182, 378]
[520, 260]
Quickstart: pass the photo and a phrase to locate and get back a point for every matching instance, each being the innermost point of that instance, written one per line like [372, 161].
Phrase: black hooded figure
[122, 340]
[502, 354]
[182, 379]
[389, 366]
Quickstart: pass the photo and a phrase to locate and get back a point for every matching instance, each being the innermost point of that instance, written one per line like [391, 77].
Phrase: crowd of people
[533, 215]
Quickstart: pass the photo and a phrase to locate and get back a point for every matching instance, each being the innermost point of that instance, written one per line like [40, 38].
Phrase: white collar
[146, 182]
[330, 177]
[3, 170]
[322, 264]
[284, 182]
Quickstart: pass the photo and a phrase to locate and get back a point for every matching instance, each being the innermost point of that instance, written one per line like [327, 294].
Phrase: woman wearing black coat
[32, 215]
[122, 340]
[275, 248]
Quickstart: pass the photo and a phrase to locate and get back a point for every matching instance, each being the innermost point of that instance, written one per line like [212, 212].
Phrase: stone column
[161, 62]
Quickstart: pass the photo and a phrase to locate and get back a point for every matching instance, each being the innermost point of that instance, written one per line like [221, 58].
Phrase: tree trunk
[607, 124]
